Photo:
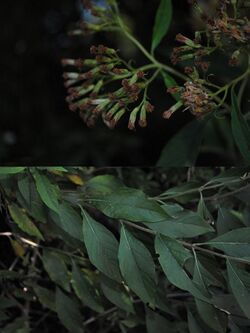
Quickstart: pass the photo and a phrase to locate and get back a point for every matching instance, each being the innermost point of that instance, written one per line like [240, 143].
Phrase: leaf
[240, 128]
[137, 266]
[193, 325]
[240, 291]
[49, 192]
[169, 83]
[157, 323]
[226, 221]
[162, 22]
[183, 148]
[56, 268]
[129, 204]
[214, 318]
[11, 170]
[68, 312]
[46, 297]
[69, 220]
[172, 256]
[235, 243]
[102, 247]
[116, 294]
[23, 221]
[30, 199]
[84, 290]
[186, 224]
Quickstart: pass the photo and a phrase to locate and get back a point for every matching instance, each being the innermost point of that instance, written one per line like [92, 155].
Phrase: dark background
[36, 127]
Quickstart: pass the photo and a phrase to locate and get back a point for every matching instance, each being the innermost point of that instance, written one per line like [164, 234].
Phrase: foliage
[124, 250]
[110, 87]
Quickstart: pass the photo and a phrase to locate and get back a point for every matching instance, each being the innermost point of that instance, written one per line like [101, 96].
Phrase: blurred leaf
[68, 312]
[226, 221]
[18, 248]
[11, 170]
[56, 268]
[102, 247]
[241, 293]
[193, 325]
[183, 148]
[116, 294]
[235, 243]
[84, 290]
[75, 179]
[172, 256]
[240, 128]
[23, 221]
[49, 192]
[162, 22]
[19, 325]
[157, 323]
[137, 266]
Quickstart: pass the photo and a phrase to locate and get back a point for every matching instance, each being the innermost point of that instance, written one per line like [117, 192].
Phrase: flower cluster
[194, 97]
[105, 86]
[224, 30]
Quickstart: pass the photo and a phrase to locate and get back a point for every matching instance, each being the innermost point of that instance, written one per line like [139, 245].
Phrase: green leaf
[116, 294]
[235, 243]
[69, 220]
[169, 83]
[56, 268]
[11, 170]
[186, 224]
[46, 297]
[30, 199]
[85, 290]
[68, 312]
[183, 148]
[240, 128]
[162, 22]
[23, 221]
[172, 256]
[157, 323]
[137, 266]
[102, 247]
[193, 325]
[213, 317]
[240, 291]
[129, 204]
[49, 192]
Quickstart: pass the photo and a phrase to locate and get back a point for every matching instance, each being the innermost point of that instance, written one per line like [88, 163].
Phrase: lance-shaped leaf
[68, 312]
[240, 128]
[85, 290]
[162, 22]
[172, 256]
[49, 192]
[56, 268]
[170, 82]
[185, 224]
[102, 247]
[239, 289]
[213, 317]
[129, 204]
[11, 170]
[116, 294]
[193, 325]
[23, 221]
[137, 266]
[235, 243]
